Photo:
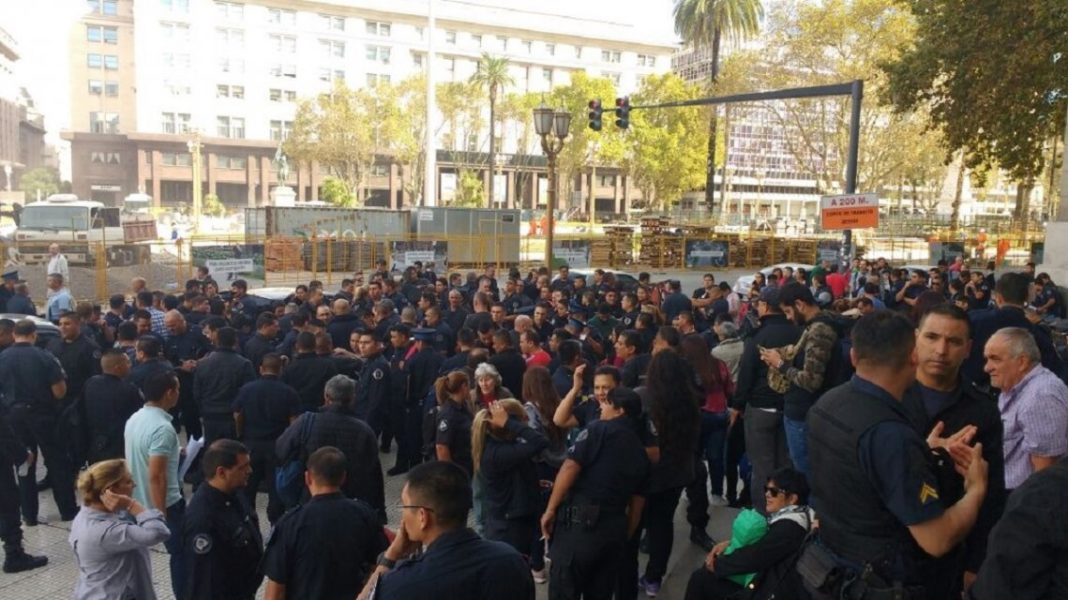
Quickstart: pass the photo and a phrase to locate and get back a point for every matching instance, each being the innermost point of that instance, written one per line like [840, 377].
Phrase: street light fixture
[552, 127]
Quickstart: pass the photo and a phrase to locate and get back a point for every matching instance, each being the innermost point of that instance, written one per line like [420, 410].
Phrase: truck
[82, 228]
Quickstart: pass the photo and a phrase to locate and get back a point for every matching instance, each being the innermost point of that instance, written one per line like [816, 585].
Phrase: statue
[281, 163]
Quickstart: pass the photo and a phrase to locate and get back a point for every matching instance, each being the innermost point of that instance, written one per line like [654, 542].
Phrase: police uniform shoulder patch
[377, 374]
[585, 433]
[652, 427]
[928, 493]
[202, 543]
[443, 426]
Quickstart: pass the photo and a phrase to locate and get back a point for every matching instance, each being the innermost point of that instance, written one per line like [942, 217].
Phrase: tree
[336, 192]
[492, 75]
[404, 130]
[43, 180]
[704, 24]
[213, 206]
[666, 147]
[469, 190]
[517, 117]
[338, 130]
[461, 118]
[993, 74]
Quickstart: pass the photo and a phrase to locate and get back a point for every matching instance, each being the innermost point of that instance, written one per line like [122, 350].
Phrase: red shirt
[540, 358]
[837, 283]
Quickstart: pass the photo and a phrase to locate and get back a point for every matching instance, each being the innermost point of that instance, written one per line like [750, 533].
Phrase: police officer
[263, 409]
[185, 346]
[596, 501]
[13, 454]
[873, 484]
[218, 378]
[221, 535]
[456, 562]
[421, 371]
[77, 354]
[451, 425]
[400, 350]
[373, 386]
[32, 381]
[7, 288]
[326, 547]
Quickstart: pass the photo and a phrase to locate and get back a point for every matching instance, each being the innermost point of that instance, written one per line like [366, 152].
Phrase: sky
[41, 29]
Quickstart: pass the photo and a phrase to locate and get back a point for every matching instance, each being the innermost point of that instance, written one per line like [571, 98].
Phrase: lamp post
[195, 146]
[552, 127]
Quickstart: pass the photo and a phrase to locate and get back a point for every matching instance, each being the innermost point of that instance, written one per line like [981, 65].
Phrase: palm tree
[704, 24]
[492, 75]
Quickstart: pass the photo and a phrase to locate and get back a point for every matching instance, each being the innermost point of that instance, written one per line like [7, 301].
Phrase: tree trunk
[1023, 194]
[492, 146]
[958, 193]
[710, 165]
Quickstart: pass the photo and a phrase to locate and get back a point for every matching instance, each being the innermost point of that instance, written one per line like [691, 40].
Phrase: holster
[582, 516]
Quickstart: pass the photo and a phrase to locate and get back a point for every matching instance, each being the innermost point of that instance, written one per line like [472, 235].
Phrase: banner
[405, 254]
[227, 263]
[707, 253]
[947, 251]
[576, 253]
[849, 211]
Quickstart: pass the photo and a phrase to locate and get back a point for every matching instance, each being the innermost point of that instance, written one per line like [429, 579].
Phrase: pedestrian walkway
[56, 581]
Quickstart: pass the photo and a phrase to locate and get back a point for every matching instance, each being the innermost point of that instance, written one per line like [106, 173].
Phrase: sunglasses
[773, 491]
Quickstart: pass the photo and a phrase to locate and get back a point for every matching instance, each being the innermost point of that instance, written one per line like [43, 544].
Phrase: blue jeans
[797, 443]
[713, 445]
[175, 520]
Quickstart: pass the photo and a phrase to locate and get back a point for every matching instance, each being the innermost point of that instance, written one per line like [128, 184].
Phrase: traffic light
[623, 112]
[595, 114]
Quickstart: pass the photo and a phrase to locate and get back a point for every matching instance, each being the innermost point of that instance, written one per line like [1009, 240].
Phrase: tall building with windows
[148, 74]
[22, 145]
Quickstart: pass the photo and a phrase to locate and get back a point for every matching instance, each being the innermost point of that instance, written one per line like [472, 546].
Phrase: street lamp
[195, 146]
[552, 127]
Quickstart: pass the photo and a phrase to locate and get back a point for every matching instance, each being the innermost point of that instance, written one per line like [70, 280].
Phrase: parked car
[745, 282]
[627, 281]
[46, 331]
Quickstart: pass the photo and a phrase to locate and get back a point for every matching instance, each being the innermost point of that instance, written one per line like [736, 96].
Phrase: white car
[746, 281]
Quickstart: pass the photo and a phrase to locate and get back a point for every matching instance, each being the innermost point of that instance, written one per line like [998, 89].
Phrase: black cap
[424, 334]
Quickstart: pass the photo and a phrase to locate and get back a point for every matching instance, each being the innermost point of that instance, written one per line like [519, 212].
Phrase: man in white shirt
[57, 263]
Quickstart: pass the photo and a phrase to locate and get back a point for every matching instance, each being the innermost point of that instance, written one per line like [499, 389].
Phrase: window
[450, 38]
[230, 11]
[578, 51]
[610, 56]
[332, 23]
[230, 127]
[225, 161]
[101, 33]
[230, 91]
[174, 122]
[230, 38]
[96, 87]
[111, 35]
[418, 59]
[450, 67]
[607, 180]
[176, 159]
[175, 32]
[614, 77]
[374, 79]
[472, 142]
[379, 170]
[283, 70]
[95, 61]
[332, 48]
[103, 122]
[283, 44]
[331, 75]
[174, 89]
[108, 8]
[280, 130]
[175, 6]
[547, 75]
[176, 61]
[502, 43]
[550, 49]
[279, 95]
[105, 158]
[379, 29]
[111, 88]
[476, 38]
[645, 60]
[528, 46]
[279, 16]
[111, 62]
[421, 32]
[230, 65]
[378, 54]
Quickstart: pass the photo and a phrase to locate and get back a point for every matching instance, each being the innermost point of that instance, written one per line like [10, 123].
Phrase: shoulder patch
[652, 427]
[585, 433]
[202, 543]
[443, 426]
[377, 374]
[928, 493]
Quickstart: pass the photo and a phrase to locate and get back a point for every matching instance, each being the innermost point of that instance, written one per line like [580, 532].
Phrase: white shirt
[58, 265]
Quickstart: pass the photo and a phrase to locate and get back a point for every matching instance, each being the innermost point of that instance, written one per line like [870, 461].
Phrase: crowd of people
[888, 434]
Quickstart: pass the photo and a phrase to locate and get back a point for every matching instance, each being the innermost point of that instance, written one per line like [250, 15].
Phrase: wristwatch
[383, 561]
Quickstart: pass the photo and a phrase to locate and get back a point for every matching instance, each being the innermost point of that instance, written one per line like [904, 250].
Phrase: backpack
[289, 477]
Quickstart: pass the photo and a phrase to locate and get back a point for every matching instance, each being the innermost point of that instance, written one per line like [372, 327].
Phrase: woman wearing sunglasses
[789, 521]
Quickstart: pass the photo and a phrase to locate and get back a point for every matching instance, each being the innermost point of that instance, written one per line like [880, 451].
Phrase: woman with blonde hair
[488, 387]
[112, 534]
[503, 446]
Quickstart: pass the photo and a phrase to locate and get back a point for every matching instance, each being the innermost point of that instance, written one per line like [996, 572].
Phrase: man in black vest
[881, 510]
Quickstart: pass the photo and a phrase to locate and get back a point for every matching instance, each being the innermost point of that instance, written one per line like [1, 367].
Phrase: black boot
[17, 561]
[700, 537]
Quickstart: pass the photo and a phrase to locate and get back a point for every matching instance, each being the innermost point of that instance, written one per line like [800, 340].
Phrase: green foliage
[42, 179]
[493, 76]
[335, 191]
[585, 145]
[403, 129]
[703, 23]
[469, 190]
[993, 74]
[212, 206]
[666, 147]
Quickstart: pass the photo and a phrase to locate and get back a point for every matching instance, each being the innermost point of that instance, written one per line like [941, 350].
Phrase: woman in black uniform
[453, 423]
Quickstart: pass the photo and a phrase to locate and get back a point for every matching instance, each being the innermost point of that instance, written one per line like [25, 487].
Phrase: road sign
[849, 211]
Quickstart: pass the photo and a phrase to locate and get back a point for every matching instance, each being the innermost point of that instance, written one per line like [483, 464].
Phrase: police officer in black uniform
[218, 378]
[33, 382]
[874, 487]
[221, 535]
[13, 454]
[596, 501]
[77, 354]
[421, 371]
[373, 385]
[185, 346]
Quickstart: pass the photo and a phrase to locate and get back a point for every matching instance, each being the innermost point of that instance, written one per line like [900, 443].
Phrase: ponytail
[449, 385]
[480, 429]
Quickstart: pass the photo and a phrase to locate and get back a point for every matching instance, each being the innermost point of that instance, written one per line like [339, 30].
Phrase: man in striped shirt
[1033, 404]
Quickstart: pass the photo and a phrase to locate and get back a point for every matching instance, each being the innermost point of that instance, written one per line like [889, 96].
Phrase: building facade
[22, 145]
[149, 74]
